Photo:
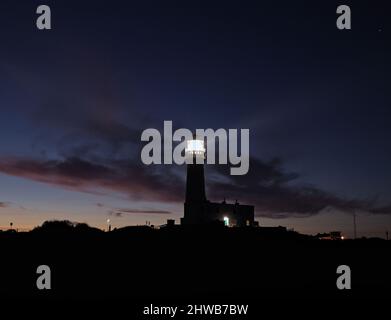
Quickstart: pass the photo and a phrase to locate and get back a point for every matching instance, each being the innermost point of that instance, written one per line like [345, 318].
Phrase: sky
[75, 99]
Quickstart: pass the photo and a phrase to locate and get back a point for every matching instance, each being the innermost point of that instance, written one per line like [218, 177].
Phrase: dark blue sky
[74, 100]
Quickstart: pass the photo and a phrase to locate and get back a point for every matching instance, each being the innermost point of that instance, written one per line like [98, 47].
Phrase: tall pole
[354, 225]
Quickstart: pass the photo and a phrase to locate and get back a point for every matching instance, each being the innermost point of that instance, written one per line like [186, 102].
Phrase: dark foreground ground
[144, 266]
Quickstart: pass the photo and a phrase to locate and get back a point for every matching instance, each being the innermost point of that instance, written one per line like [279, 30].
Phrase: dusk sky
[75, 99]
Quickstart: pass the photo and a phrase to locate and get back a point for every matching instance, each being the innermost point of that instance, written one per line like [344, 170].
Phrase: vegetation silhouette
[181, 262]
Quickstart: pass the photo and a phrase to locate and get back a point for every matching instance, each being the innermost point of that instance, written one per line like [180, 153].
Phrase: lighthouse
[198, 210]
[195, 206]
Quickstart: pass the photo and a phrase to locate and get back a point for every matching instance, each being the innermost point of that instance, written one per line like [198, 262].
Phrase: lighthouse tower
[195, 202]
[200, 211]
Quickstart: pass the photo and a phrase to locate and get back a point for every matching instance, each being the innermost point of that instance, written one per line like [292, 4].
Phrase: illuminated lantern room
[195, 147]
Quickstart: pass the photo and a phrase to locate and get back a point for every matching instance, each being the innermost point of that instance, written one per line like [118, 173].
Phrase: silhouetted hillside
[65, 226]
[177, 262]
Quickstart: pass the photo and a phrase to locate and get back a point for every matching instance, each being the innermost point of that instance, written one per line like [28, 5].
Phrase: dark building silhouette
[333, 235]
[197, 209]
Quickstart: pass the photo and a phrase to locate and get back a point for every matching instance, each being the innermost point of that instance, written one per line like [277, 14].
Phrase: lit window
[226, 221]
